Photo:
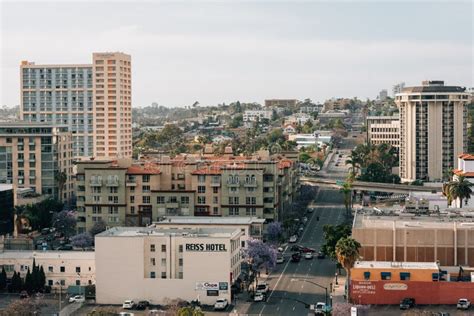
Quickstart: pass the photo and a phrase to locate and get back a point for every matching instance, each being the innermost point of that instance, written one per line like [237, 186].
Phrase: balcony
[215, 184]
[112, 183]
[250, 184]
[96, 182]
[131, 183]
[32, 177]
[172, 205]
[233, 184]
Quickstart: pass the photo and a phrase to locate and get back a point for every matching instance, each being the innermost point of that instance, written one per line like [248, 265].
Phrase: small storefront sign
[203, 286]
[366, 287]
[395, 286]
[212, 293]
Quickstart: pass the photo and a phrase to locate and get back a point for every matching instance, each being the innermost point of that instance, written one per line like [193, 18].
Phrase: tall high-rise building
[112, 105]
[396, 89]
[433, 129]
[60, 95]
[93, 100]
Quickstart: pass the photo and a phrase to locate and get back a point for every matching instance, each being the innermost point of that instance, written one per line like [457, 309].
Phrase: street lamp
[335, 274]
[314, 283]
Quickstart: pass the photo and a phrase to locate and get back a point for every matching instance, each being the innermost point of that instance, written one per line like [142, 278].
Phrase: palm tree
[61, 178]
[460, 188]
[447, 193]
[346, 189]
[347, 253]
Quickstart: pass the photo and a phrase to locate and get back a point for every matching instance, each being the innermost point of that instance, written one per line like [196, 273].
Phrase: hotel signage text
[206, 247]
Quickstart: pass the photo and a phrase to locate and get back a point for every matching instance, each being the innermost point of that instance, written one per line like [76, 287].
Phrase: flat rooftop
[165, 232]
[206, 220]
[6, 187]
[395, 265]
[388, 219]
[30, 254]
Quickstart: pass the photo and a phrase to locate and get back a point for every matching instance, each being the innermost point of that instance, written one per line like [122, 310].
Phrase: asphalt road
[287, 292]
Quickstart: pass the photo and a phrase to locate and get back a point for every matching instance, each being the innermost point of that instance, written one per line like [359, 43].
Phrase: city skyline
[223, 52]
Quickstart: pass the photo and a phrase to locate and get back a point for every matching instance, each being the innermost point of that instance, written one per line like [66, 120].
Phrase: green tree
[304, 157]
[237, 121]
[190, 311]
[29, 286]
[40, 214]
[346, 190]
[332, 234]
[61, 179]
[347, 253]
[460, 188]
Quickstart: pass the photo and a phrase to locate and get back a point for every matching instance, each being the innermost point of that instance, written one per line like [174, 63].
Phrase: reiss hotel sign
[206, 247]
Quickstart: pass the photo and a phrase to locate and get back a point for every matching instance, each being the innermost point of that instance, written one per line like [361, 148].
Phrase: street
[288, 293]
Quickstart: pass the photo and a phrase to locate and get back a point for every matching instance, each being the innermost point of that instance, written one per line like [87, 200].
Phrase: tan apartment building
[93, 100]
[31, 154]
[159, 265]
[122, 193]
[281, 103]
[433, 129]
[61, 268]
[448, 238]
[112, 105]
[383, 130]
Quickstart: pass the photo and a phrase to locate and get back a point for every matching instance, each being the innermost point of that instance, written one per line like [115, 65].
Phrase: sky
[223, 51]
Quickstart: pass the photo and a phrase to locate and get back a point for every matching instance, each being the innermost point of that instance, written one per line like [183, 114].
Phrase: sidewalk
[338, 291]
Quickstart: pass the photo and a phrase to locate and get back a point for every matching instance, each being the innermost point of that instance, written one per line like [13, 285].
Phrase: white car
[262, 288]
[77, 299]
[320, 308]
[293, 239]
[221, 304]
[308, 255]
[128, 304]
[280, 259]
[463, 303]
[305, 219]
[259, 297]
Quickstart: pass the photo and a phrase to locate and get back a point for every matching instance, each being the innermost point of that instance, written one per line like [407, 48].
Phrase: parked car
[307, 249]
[296, 257]
[128, 304]
[259, 297]
[407, 302]
[293, 238]
[308, 255]
[142, 305]
[305, 219]
[262, 288]
[24, 294]
[320, 308]
[77, 299]
[280, 258]
[463, 303]
[221, 304]
[296, 248]
[321, 255]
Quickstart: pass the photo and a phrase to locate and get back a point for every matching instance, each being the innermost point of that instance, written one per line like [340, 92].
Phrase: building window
[160, 200]
[62, 282]
[78, 282]
[50, 269]
[180, 275]
[152, 248]
[386, 275]
[180, 262]
[215, 190]
[405, 276]
[62, 269]
[146, 178]
[185, 200]
[201, 178]
[78, 269]
[163, 275]
[367, 275]
[233, 211]
[201, 189]
[152, 261]
[152, 274]
[215, 200]
[146, 188]
[180, 248]
[216, 210]
[163, 248]
[201, 200]
[146, 199]
[113, 190]
[163, 262]
[50, 282]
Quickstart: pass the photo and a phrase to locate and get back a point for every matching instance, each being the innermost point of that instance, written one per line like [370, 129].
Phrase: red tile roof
[142, 170]
[459, 172]
[467, 156]
[285, 163]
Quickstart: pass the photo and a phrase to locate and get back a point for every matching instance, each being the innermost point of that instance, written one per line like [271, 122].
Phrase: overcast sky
[215, 52]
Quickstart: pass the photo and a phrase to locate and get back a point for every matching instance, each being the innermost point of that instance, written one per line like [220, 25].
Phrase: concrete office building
[93, 100]
[159, 265]
[397, 88]
[61, 268]
[256, 115]
[112, 105]
[433, 129]
[383, 130]
[31, 154]
[136, 194]
[251, 227]
[447, 238]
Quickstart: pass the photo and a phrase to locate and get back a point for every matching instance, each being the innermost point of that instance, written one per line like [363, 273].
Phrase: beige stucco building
[31, 154]
[159, 265]
[120, 192]
[465, 168]
[61, 268]
[448, 238]
[433, 129]
[383, 130]
[92, 100]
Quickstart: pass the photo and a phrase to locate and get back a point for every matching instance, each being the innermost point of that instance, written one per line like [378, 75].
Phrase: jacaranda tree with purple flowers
[260, 255]
[65, 222]
[82, 240]
[274, 232]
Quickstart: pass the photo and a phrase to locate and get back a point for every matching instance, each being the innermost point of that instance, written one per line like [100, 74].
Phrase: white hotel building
[159, 265]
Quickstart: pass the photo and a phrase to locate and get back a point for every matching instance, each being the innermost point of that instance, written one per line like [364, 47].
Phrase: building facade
[281, 103]
[31, 154]
[7, 198]
[251, 227]
[383, 130]
[112, 105]
[93, 100]
[256, 115]
[61, 268]
[159, 265]
[408, 237]
[123, 193]
[433, 129]
[465, 169]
